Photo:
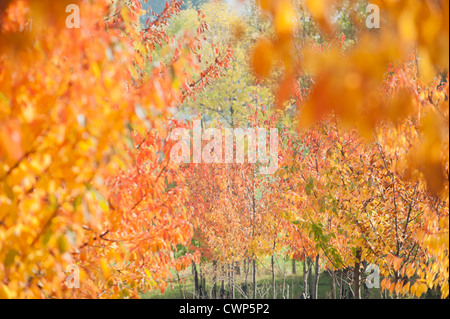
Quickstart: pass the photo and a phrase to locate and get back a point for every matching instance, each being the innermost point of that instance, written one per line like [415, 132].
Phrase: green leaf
[309, 187]
[258, 194]
[62, 244]
[10, 256]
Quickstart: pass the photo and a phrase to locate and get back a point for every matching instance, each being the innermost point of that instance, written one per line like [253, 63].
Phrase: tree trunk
[254, 278]
[357, 275]
[245, 284]
[233, 290]
[214, 290]
[287, 292]
[229, 282]
[310, 278]
[343, 290]
[201, 289]
[181, 290]
[238, 268]
[196, 285]
[333, 284]
[222, 285]
[294, 268]
[315, 284]
[274, 292]
[204, 291]
[305, 294]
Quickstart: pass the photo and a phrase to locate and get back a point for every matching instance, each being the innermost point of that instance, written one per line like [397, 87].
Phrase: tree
[90, 196]
[76, 111]
[393, 88]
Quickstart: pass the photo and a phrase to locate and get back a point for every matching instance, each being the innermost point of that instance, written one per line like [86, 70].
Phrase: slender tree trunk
[214, 290]
[287, 292]
[196, 285]
[310, 278]
[229, 282]
[204, 289]
[238, 268]
[253, 233]
[222, 285]
[274, 292]
[201, 286]
[343, 291]
[357, 275]
[305, 279]
[246, 271]
[254, 278]
[181, 289]
[333, 284]
[315, 284]
[233, 290]
[294, 268]
[344, 283]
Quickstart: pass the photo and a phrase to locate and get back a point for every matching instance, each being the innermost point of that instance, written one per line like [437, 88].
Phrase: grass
[264, 284]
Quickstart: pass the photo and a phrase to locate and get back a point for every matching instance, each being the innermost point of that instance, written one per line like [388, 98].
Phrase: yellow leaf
[398, 287]
[5, 293]
[262, 58]
[426, 68]
[407, 26]
[62, 244]
[421, 289]
[105, 268]
[264, 4]
[285, 20]
[406, 288]
[410, 270]
[316, 7]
